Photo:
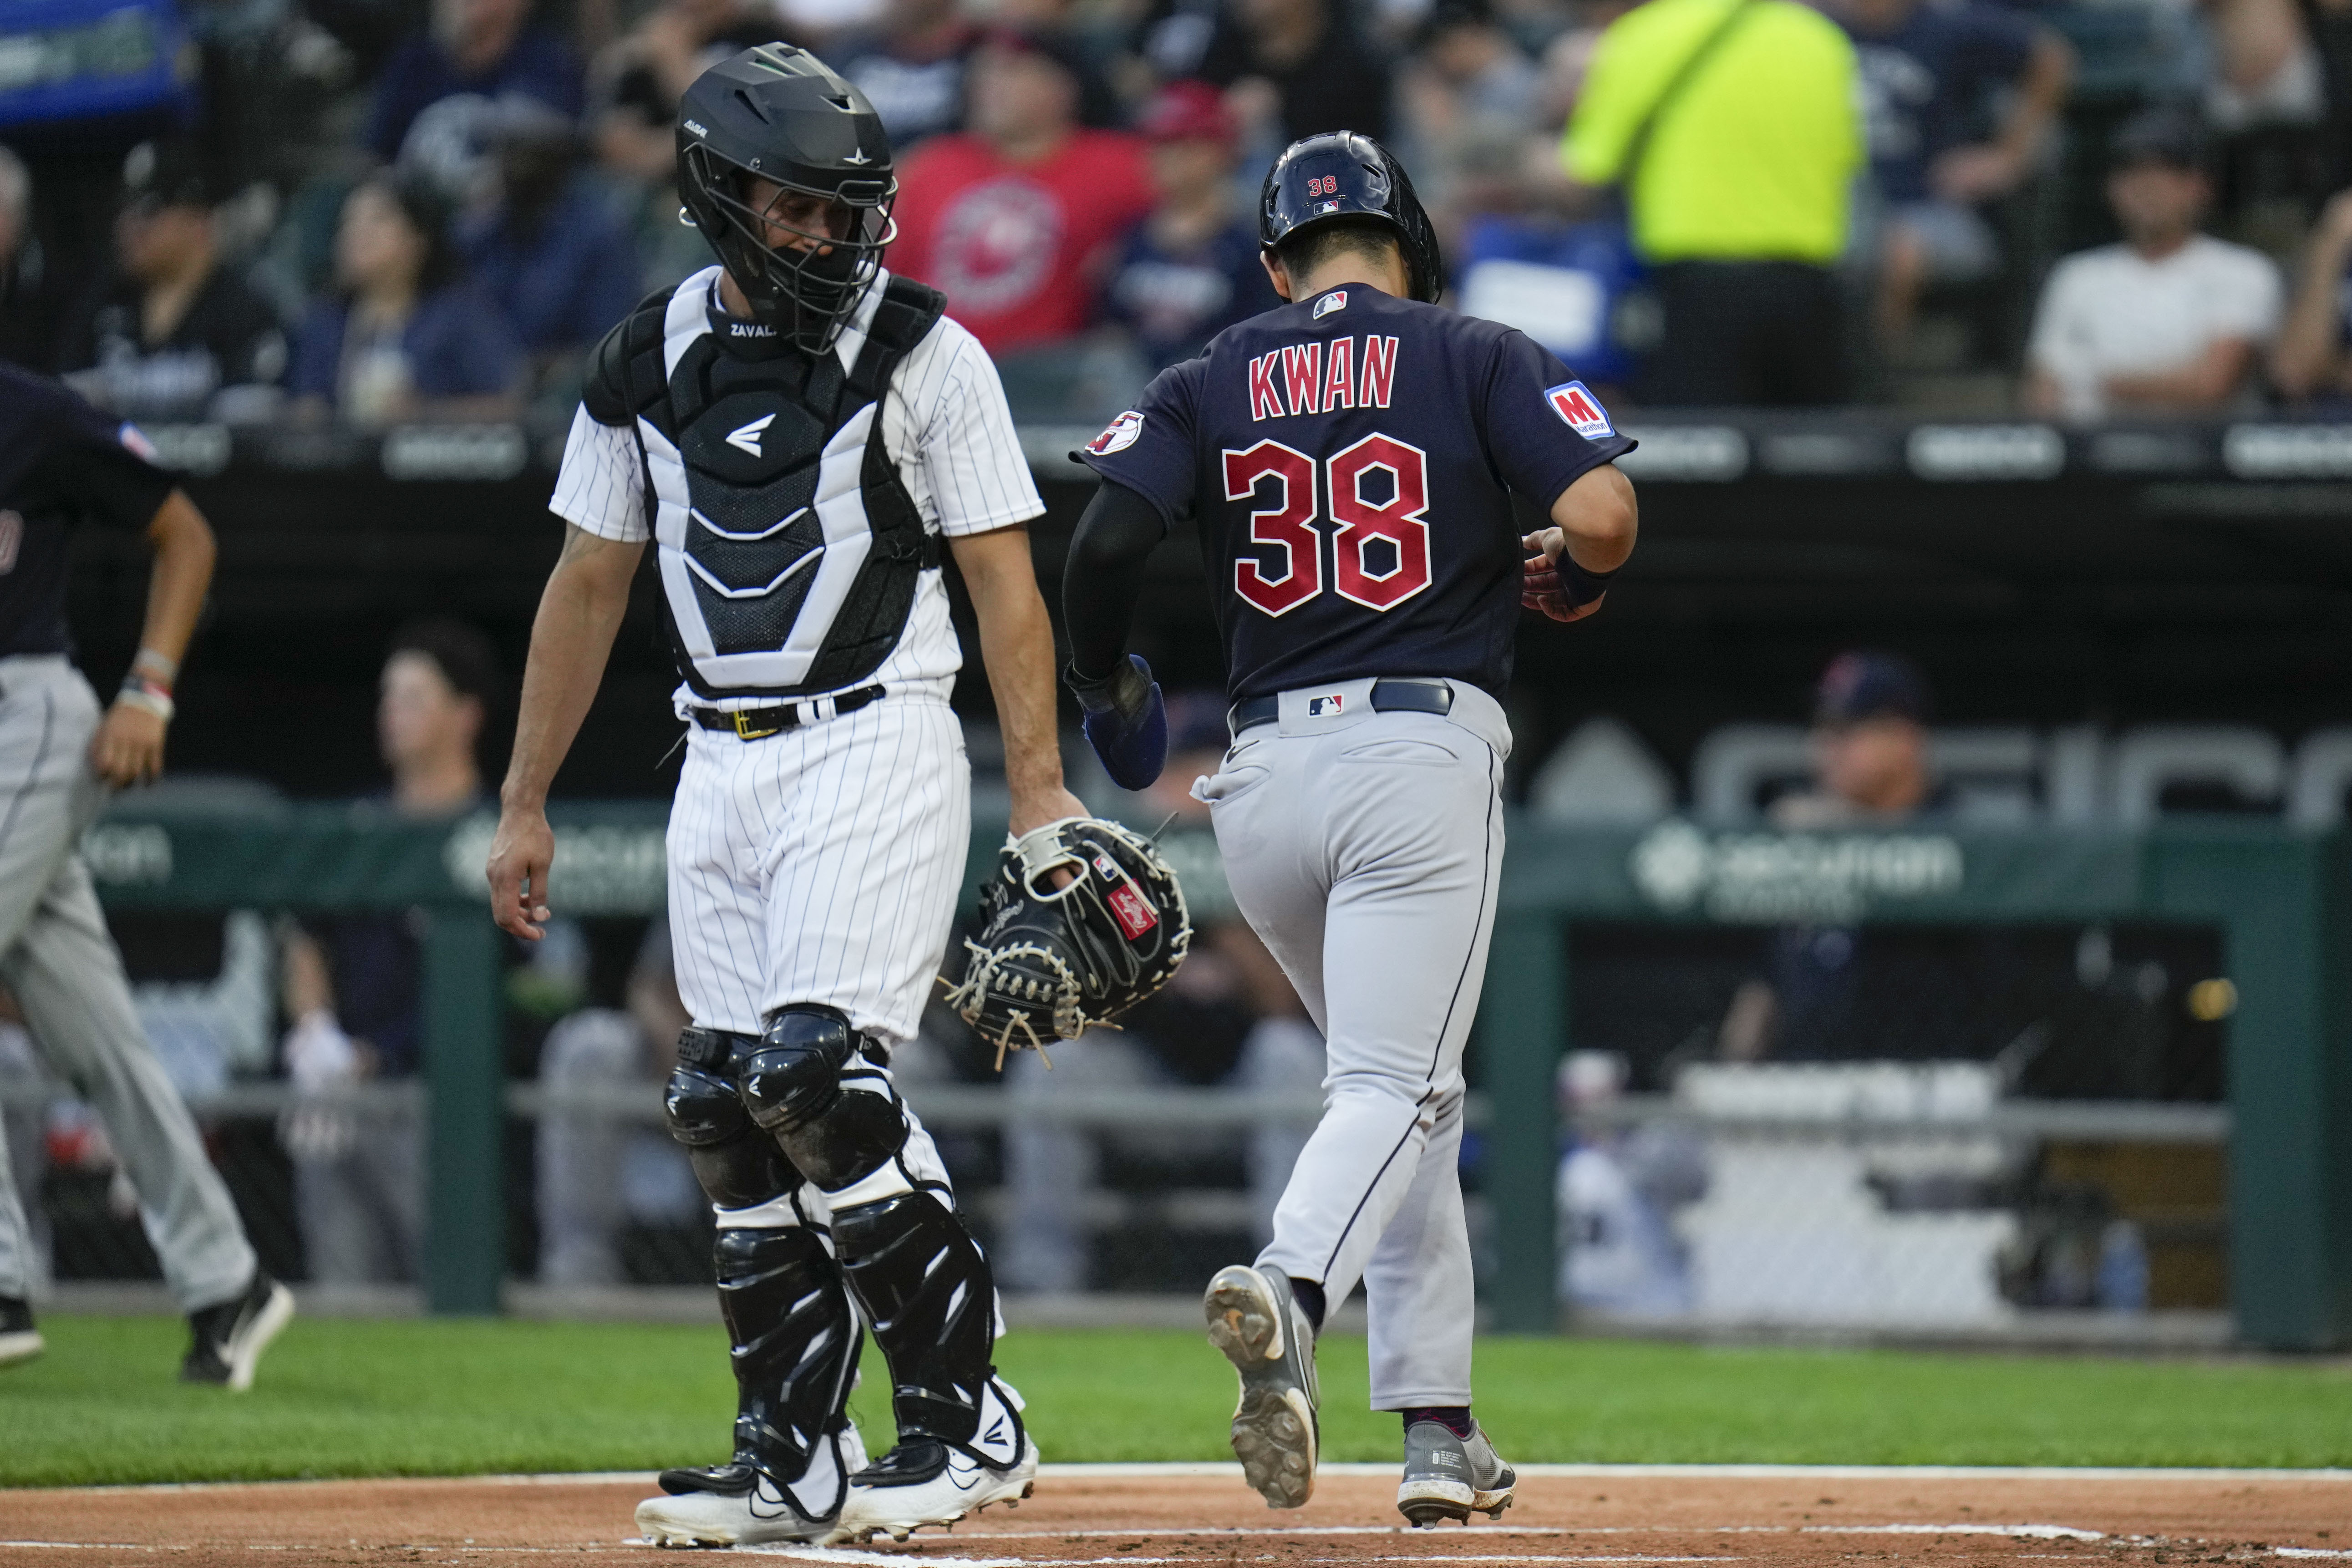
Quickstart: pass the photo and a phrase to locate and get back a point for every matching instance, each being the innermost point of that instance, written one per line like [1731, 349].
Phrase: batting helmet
[1343, 175]
[779, 114]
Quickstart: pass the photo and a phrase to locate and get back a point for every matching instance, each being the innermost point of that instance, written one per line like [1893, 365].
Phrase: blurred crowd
[378, 211]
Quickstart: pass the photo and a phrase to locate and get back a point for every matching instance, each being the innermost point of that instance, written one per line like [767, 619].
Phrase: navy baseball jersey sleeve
[61, 461]
[1350, 461]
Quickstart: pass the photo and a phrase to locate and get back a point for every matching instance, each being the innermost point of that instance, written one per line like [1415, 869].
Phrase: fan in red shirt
[1015, 219]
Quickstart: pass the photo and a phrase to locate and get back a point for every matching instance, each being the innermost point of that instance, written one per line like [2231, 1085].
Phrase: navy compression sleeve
[1104, 577]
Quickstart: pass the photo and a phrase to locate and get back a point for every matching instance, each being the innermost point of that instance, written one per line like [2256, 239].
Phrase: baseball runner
[1351, 459]
[60, 461]
[794, 431]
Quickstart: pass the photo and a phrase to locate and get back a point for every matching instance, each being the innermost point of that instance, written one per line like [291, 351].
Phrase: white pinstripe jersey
[944, 423]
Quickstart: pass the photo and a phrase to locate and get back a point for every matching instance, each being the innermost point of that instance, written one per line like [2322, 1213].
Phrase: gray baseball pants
[58, 959]
[1364, 848]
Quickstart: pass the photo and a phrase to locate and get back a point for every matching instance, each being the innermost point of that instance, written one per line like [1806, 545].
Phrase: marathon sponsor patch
[1579, 410]
[1336, 300]
[1128, 907]
[1119, 436]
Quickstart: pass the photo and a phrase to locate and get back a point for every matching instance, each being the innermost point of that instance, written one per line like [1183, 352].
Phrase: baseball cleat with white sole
[1259, 1325]
[225, 1341]
[742, 1505]
[19, 1339]
[927, 1482]
[1446, 1477]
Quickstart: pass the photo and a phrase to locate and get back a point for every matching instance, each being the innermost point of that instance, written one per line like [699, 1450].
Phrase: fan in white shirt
[2170, 320]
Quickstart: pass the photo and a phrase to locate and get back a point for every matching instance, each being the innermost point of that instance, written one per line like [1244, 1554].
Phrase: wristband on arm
[1578, 585]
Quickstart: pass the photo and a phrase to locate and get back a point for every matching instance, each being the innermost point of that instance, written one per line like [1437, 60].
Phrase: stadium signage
[597, 870]
[128, 853]
[1774, 877]
[1986, 452]
[454, 452]
[2287, 451]
[1708, 454]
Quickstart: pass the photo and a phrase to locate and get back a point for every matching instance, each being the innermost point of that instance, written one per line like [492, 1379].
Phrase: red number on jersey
[1287, 525]
[1396, 520]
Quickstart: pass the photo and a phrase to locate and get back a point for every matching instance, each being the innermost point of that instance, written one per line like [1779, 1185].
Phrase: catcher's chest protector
[789, 548]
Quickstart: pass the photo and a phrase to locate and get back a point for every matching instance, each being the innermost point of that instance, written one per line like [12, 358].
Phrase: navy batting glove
[1125, 722]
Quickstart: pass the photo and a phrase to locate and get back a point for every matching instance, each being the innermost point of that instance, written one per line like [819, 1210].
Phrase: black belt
[1388, 697]
[759, 724]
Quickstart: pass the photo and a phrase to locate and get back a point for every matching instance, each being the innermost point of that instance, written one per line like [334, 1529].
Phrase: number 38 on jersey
[1371, 496]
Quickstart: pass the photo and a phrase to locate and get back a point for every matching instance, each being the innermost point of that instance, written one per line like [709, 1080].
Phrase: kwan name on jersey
[1350, 460]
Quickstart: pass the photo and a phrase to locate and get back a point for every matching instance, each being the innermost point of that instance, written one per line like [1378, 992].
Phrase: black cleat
[19, 1339]
[228, 1340]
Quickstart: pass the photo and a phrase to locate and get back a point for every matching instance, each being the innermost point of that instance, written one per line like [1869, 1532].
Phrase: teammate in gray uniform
[1351, 459]
[794, 431]
[62, 461]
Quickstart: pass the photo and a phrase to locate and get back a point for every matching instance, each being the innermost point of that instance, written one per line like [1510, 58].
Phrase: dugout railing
[2278, 900]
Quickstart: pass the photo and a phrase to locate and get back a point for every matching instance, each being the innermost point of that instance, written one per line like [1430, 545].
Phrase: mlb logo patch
[1119, 436]
[1325, 707]
[1579, 410]
[1336, 300]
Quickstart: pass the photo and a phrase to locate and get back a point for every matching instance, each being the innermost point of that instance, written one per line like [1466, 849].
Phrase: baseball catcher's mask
[778, 114]
[1051, 962]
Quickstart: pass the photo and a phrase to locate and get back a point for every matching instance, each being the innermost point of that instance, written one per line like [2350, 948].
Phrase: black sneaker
[19, 1341]
[228, 1338]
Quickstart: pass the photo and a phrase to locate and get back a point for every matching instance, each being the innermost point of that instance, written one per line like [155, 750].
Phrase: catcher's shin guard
[793, 1343]
[738, 1163]
[792, 1085]
[929, 1296]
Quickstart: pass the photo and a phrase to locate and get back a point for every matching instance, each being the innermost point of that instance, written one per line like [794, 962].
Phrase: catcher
[800, 437]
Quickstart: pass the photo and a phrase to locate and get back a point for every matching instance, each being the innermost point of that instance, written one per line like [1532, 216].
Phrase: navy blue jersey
[60, 460]
[1349, 460]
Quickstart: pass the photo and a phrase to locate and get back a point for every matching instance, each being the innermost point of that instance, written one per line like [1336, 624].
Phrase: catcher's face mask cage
[803, 266]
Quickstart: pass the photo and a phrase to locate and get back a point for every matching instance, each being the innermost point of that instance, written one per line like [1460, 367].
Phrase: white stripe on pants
[1365, 852]
[57, 958]
[820, 865]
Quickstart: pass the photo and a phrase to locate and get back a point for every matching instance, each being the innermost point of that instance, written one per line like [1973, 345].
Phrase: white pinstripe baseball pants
[820, 865]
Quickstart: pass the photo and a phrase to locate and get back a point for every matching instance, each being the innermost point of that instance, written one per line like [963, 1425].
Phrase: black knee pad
[737, 1163]
[929, 1296]
[793, 1342]
[793, 1076]
[857, 1137]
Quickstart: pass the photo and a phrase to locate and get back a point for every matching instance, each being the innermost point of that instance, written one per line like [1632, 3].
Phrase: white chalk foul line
[1079, 1472]
[2016, 1531]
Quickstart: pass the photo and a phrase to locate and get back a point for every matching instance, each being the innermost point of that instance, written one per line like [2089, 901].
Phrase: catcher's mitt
[1050, 962]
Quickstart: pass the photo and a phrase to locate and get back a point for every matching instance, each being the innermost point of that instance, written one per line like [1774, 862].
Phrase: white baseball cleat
[1265, 1333]
[1446, 1477]
[926, 1481]
[742, 1505]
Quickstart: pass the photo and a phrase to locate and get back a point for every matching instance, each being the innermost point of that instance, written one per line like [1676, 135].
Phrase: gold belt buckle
[744, 730]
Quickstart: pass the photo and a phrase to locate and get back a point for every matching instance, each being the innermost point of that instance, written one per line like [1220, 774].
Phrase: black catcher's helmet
[779, 113]
[1345, 174]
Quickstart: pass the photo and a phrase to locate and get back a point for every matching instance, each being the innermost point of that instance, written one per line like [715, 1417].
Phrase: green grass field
[408, 1397]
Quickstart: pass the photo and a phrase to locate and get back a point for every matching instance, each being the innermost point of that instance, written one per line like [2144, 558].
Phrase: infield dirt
[1081, 1517]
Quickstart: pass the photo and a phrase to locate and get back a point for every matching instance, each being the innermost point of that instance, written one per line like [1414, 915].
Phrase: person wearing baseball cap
[170, 333]
[1871, 769]
[1870, 745]
[2168, 321]
[1191, 268]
